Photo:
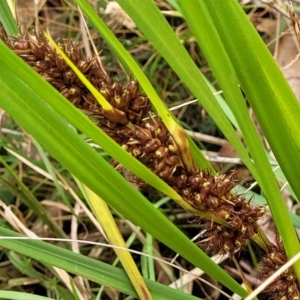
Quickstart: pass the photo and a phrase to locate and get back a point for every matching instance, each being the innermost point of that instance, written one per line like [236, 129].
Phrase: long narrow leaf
[105, 217]
[7, 19]
[87, 267]
[218, 60]
[272, 100]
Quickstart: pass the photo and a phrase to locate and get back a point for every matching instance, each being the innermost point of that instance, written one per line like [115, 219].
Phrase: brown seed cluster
[153, 145]
[241, 218]
[231, 220]
[285, 287]
[129, 104]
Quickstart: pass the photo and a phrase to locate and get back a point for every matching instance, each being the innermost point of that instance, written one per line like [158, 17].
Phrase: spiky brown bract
[285, 287]
[150, 142]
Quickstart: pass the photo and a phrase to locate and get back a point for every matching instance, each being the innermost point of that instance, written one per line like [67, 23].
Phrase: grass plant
[139, 145]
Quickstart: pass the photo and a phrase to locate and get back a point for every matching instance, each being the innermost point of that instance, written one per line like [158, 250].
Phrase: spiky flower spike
[40, 55]
[285, 287]
[150, 142]
[153, 145]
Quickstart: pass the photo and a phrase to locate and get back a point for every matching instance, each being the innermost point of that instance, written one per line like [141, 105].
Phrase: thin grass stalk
[104, 216]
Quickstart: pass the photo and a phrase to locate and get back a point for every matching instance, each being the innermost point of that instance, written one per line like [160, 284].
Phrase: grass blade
[7, 19]
[84, 266]
[261, 79]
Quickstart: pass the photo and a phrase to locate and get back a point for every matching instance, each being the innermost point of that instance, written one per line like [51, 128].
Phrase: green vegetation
[128, 150]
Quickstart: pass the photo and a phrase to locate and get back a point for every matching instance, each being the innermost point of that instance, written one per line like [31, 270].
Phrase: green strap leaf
[273, 102]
